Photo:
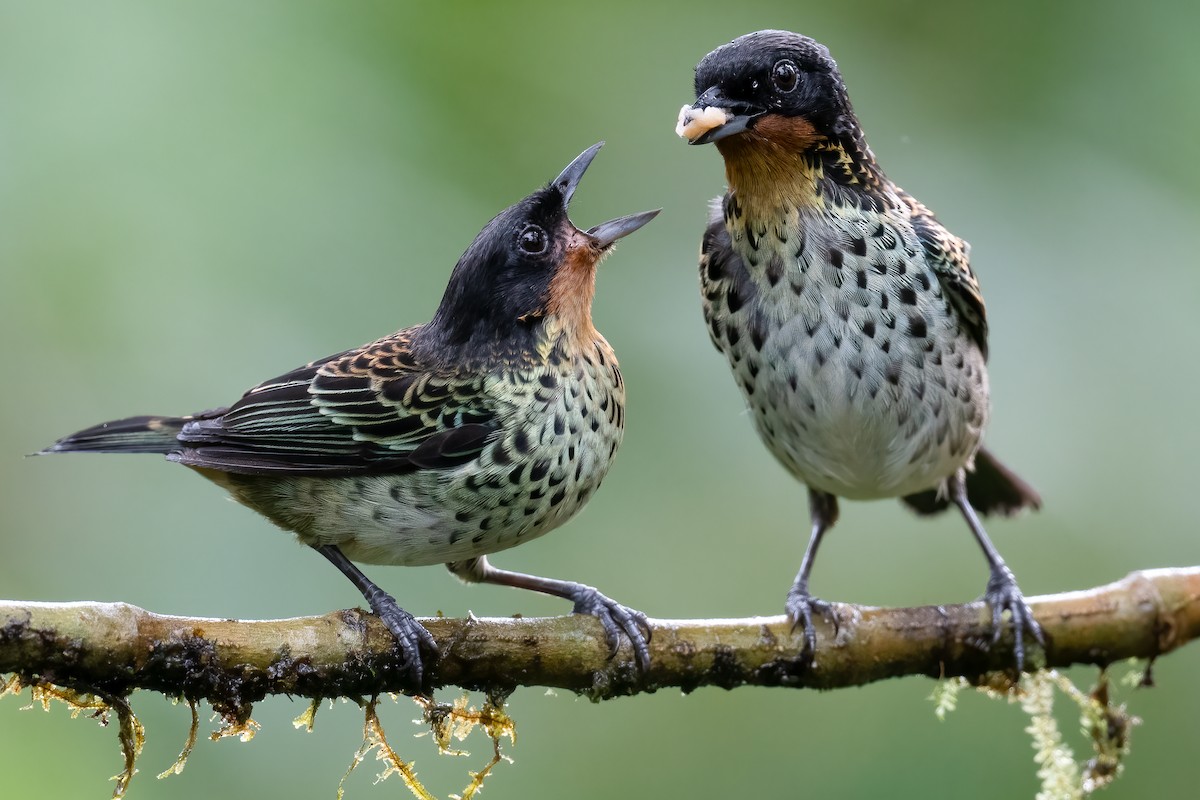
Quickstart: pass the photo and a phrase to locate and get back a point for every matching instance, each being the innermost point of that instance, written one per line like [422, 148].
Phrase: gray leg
[1002, 593]
[800, 604]
[410, 635]
[616, 618]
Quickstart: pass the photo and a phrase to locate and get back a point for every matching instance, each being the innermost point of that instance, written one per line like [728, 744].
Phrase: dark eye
[785, 76]
[533, 240]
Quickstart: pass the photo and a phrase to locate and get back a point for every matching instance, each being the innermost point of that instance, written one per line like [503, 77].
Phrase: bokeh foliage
[195, 196]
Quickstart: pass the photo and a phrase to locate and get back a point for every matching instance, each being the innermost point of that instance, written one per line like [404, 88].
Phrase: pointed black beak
[714, 117]
[606, 233]
[569, 178]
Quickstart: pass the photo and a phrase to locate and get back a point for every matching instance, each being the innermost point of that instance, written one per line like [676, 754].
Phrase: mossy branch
[114, 648]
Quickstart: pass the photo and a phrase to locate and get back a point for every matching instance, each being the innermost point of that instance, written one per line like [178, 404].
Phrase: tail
[132, 435]
[992, 489]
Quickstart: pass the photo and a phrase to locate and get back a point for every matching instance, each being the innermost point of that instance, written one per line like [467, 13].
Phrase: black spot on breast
[394, 493]
[752, 238]
[916, 326]
[835, 257]
[539, 470]
[858, 246]
[733, 299]
[868, 328]
[752, 367]
[886, 345]
[883, 301]
[758, 337]
[862, 279]
[560, 425]
[923, 279]
[732, 335]
[892, 373]
[521, 442]
[879, 266]
[907, 295]
[774, 270]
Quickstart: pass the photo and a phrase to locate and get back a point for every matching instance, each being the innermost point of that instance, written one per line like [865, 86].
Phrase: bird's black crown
[779, 72]
[504, 276]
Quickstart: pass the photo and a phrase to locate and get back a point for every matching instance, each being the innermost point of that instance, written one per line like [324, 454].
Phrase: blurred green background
[197, 196]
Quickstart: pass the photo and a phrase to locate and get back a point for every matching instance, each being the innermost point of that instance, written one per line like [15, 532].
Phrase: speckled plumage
[850, 316]
[546, 426]
[488, 426]
[861, 376]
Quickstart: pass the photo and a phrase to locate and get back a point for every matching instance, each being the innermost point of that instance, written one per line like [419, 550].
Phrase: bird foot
[617, 620]
[800, 606]
[1003, 595]
[411, 636]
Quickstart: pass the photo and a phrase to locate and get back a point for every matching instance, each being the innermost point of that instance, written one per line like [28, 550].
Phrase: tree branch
[114, 648]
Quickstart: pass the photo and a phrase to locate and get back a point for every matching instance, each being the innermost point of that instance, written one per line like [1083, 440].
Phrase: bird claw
[800, 606]
[411, 637]
[1002, 595]
[617, 620]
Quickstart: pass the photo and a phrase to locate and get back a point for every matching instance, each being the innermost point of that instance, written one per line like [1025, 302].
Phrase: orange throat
[767, 166]
[569, 298]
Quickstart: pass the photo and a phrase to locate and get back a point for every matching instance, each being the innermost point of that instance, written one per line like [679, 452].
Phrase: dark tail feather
[133, 435]
[992, 489]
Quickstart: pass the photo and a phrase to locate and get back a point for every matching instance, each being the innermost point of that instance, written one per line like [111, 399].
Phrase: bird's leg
[1002, 592]
[800, 604]
[410, 635]
[616, 618]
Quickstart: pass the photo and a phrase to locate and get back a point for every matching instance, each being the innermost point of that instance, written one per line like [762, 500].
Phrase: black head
[764, 77]
[504, 284]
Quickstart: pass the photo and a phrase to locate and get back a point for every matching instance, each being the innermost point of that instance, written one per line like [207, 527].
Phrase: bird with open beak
[486, 427]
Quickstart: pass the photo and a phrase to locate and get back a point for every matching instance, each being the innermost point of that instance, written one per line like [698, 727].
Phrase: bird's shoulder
[725, 281]
[948, 257]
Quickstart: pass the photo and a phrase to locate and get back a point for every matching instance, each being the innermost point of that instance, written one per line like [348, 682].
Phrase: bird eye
[785, 76]
[532, 240]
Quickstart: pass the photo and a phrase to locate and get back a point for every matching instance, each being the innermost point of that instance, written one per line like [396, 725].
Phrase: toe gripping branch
[618, 620]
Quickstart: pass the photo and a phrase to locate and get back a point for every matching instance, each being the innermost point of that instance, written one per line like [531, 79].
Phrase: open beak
[606, 233]
[569, 178]
[714, 117]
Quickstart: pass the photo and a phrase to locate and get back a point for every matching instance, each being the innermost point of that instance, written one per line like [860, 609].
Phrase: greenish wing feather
[375, 409]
